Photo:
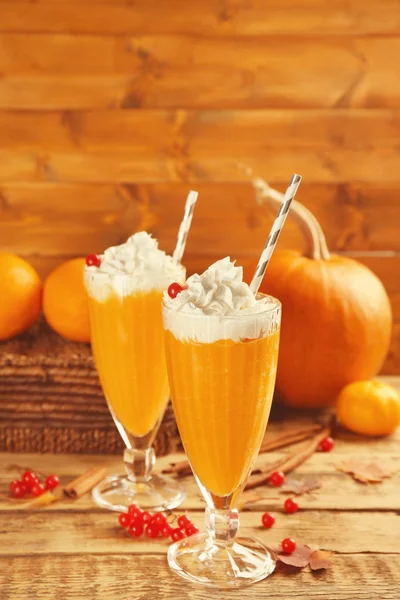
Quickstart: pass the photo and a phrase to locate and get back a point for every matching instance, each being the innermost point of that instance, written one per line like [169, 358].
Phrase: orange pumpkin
[336, 319]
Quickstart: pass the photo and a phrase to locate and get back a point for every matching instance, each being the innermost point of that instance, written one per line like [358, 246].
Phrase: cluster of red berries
[153, 525]
[31, 484]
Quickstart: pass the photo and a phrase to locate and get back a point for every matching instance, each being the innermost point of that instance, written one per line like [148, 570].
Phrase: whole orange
[20, 299]
[369, 407]
[65, 302]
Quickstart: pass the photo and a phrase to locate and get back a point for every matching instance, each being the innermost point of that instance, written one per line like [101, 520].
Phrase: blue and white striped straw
[185, 226]
[274, 233]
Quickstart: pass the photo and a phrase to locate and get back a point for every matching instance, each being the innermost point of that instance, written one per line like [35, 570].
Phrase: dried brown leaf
[366, 472]
[300, 486]
[320, 559]
[299, 558]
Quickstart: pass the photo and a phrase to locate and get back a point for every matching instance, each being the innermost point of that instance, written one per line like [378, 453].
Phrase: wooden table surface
[74, 550]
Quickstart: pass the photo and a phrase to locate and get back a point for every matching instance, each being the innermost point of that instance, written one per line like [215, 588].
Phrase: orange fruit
[20, 299]
[65, 302]
[369, 407]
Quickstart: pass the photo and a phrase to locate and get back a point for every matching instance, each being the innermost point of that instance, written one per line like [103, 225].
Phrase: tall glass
[222, 375]
[128, 347]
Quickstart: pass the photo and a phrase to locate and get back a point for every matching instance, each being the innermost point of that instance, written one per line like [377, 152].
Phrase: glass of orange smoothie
[125, 287]
[222, 352]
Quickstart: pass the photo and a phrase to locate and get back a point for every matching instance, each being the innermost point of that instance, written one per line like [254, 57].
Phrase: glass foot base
[117, 492]
[243, 562]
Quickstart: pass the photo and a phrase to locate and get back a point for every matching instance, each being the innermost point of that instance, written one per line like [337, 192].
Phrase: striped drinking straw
[274, 233]
[185, 226]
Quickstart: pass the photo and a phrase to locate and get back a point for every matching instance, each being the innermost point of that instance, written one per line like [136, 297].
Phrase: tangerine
[369, 407]
[65, 302]
[21, 291]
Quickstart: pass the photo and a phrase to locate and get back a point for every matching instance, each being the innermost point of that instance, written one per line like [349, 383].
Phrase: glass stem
[222, 525]
[139, 463]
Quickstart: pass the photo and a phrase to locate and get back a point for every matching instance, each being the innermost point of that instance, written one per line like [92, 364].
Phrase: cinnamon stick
[287, 438]
[290, 461]
[86, 482]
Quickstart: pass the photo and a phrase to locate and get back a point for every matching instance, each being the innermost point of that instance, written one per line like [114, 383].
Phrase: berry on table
[290, 505]
[52, 481]
[136, 529]
[184, 522]
[29, 478]
[191, 530]
[159, 519]
[177, 534]
[327, 444]
[146, 517]
[92, 260]
[38, 489]
[288, 545]
[124, 520]
[166, 530]
[268, 520]
[151, 531]
[18, 489]
[174, 289]
[135, 513]
[276, 478]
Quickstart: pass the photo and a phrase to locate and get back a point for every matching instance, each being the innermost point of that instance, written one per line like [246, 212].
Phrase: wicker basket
[51, 399]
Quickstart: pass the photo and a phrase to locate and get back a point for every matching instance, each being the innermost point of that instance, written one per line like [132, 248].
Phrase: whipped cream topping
[147, 267]
[220, 294]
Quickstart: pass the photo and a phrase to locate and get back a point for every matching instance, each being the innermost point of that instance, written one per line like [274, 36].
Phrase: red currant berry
[52, 482]
[174, 289]
[124, 520]
[268, 520]
[151, 531]
[135, 513]
[136, 529]
[38, 489]
[191, 530]
[327, 444]
[166, 530]
[14, 483]
[159, 519]
[184, 521]
[290, 505]
[30, 478]
[18, 489]
[93, 260]
[146, 517]
[288, 545]
[177, 534]
[276, 478]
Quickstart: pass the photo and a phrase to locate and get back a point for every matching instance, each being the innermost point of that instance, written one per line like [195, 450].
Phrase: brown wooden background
[110, 110]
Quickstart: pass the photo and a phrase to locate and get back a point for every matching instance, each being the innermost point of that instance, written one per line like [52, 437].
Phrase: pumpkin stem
[315, 238]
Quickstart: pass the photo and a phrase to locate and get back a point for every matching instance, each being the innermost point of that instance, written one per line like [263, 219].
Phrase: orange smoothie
[128, 347]
[221, 394]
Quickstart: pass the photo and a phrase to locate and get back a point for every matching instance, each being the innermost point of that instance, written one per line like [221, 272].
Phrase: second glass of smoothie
[125, 292]
[222, 353]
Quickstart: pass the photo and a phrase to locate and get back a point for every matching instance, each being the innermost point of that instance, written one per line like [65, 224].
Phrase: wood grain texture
[361, 576]
[185, 71]
[91, 552]
[354, 217]
[165, 146]
[202, 17]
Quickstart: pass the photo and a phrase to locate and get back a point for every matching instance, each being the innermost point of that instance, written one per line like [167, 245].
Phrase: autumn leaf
[304, 556]
[320, 559]
[300, 486]
[366, 472]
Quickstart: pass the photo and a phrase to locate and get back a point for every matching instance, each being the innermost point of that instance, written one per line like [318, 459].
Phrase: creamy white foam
[136, 265]
[221, 295]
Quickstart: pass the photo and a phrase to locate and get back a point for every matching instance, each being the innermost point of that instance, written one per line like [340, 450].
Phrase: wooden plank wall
[111, 109]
